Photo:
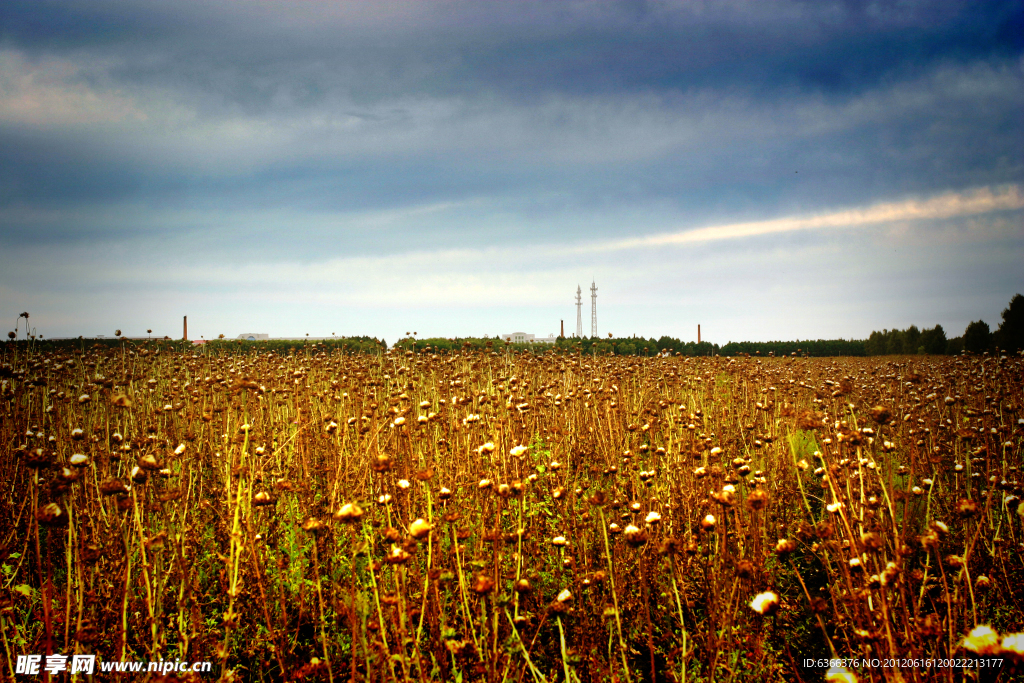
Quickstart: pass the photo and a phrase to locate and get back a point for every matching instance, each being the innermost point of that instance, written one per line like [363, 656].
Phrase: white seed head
[765, 603]
[982, 640]
[419, 528]
[1013, 645]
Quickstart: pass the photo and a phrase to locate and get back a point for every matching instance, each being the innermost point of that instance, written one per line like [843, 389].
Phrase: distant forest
[977, 338]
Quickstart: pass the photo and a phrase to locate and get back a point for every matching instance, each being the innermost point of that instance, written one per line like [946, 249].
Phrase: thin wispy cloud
[947, 205]
[523, 273]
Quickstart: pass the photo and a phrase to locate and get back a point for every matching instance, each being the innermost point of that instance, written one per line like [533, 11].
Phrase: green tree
[1010, 334]
[911, 340]
[977, 337]
[934, 340]
[894, 345]
[875, 344]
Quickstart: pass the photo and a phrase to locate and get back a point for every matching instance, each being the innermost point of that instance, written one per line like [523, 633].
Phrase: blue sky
[770, 170]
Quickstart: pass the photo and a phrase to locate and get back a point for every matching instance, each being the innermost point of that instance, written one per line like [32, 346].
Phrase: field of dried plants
[510, 516]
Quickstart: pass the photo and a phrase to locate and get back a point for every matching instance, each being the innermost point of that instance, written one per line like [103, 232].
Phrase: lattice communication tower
[579, 312]
[593, 309]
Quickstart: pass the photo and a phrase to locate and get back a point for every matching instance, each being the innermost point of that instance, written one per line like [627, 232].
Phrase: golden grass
[510, 516]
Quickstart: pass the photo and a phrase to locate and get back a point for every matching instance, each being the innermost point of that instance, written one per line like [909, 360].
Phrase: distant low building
[526, 338]
[254, 336]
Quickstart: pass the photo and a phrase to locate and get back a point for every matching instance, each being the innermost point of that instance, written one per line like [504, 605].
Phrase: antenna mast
[593, 309]
[579, 312]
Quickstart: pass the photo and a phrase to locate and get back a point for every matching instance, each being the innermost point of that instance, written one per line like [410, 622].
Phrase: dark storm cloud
[249, 54]
[537, 111]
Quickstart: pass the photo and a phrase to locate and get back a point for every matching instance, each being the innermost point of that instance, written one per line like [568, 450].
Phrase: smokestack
[184, 334]
[698, 334]
[563, 328]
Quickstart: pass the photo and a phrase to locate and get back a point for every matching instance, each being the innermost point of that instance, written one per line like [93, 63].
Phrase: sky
[767, 169]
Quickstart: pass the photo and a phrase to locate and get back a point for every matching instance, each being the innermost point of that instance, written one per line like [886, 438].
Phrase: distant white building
[517, 337]
[254, 336]
[526, 338]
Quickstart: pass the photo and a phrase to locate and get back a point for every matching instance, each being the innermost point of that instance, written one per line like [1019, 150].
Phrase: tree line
[977, 338]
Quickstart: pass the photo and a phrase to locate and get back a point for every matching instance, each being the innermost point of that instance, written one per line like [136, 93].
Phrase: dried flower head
[483, 584]
[1012, 647]
[149, 462]
[840, 674]
[634, 535]
[982, 640]
[881, 414]
[397, 555]
[312, 525]
[262, 498]
[112, 486]
[784, 547]
[349, 512]
[51, 514]
[745, 569]
[766, 603]
[420, 529]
